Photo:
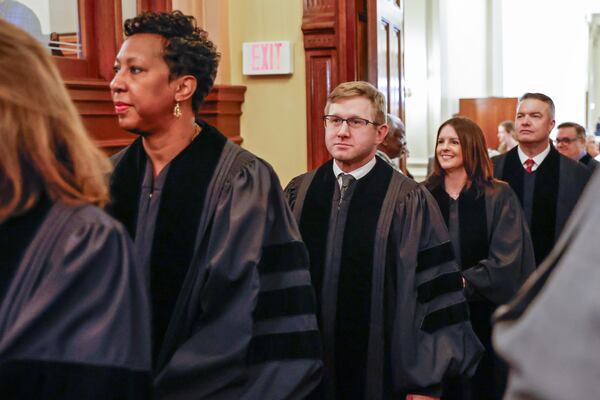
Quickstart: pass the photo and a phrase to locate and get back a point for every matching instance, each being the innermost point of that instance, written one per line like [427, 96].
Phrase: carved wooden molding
[222, 108]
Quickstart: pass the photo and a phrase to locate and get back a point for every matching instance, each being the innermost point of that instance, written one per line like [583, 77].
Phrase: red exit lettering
[265, 56]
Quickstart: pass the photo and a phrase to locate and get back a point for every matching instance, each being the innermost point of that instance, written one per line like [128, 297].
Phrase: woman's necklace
[197, 130]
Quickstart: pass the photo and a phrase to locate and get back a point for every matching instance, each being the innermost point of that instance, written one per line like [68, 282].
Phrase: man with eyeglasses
[547, 183]
[392, 313]
[571, 142]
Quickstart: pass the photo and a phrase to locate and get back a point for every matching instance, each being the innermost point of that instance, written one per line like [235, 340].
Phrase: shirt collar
[537, 159]
[357, 173]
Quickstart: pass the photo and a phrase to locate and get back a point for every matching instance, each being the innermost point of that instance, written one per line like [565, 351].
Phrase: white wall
[417, 75]
[129, 8]
[64, 16]
[545, 50]
[41, 8]
[464, 51]
[446, 58]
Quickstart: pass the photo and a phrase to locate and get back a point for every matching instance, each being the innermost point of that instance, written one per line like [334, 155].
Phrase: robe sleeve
[257, 337]
[511, 258]
[431, 338]
[549, 332]
[83, 333]
[291, 191]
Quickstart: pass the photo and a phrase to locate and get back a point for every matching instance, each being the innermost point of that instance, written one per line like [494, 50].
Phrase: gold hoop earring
[177, 110]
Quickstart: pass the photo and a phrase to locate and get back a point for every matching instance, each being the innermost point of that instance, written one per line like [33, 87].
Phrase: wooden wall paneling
[488, 113]
[94, 104]
[106, 19]
[223, 109]
[154, 5]
[386, 51]
[323, 68]
[383, 59]
[321, 41]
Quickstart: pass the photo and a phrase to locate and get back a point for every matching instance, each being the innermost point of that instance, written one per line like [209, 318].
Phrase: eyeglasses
[565, 140]
[333, 121]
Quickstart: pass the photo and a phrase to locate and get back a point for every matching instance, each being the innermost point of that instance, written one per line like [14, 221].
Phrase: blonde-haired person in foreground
[74, 311]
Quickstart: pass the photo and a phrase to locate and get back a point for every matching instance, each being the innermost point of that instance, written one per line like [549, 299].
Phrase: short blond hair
[44, 148]
[360, 89]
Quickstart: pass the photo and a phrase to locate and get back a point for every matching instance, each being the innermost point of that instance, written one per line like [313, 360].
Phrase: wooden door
[386, 52]
[346, 40]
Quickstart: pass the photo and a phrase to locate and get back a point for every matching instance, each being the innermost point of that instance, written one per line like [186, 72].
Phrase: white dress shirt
[357, 173]
[537, 159]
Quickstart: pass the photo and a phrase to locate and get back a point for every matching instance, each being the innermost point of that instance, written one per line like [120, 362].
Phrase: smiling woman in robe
[490, 240]
[74, 310]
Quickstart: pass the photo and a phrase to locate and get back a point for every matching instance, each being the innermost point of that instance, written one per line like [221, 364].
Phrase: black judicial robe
[233, 304]
[589, 162]
[549, 333]
[74, 311]
[391, 308]
[559, 182]
[496, 258]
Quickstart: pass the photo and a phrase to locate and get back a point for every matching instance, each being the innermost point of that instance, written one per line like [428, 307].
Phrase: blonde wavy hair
[44, 147]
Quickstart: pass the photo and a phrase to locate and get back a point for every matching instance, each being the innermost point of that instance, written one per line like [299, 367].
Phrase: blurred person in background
[393, 149]
[74, 309]
[490, 240]
[506, 136]
[571, 142]
[591, 146]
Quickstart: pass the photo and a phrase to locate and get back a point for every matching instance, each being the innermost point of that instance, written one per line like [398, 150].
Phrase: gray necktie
[347, 180]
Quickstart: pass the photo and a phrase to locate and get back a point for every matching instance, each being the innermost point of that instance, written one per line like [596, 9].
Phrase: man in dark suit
[547, 183]
[571, 142]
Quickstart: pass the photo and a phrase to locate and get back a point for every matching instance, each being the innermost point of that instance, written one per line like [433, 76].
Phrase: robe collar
[473, 224]
[181, 206]
[354, 273]
[545, 197]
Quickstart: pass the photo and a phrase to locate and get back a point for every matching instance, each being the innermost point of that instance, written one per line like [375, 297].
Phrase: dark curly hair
[187, 51]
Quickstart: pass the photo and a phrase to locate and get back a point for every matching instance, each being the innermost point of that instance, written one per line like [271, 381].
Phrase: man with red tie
[547, 183]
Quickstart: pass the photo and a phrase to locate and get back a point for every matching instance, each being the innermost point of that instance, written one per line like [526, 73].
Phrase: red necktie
[529, 165]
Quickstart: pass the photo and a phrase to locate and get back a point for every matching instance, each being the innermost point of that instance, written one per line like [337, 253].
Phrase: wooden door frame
[330, 31]
[330, 45]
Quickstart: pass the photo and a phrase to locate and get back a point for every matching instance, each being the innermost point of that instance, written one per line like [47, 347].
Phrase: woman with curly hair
[74, 310]
[490, 239]
[233, 306]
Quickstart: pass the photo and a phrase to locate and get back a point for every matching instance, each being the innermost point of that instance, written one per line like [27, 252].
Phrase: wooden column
[154, 5]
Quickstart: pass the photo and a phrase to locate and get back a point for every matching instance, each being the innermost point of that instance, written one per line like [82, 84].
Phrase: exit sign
[268, 58]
